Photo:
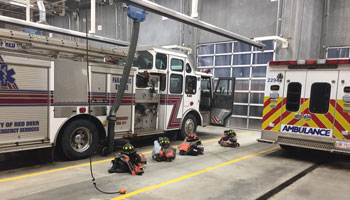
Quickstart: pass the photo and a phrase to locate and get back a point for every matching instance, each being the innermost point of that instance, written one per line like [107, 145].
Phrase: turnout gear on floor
[128, 161]
[229, 139]
[192, 145]
[162, 150]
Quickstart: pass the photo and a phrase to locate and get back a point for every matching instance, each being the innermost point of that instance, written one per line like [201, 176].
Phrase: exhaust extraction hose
[138, 15]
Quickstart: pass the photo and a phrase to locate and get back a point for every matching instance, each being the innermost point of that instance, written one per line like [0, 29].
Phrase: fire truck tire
[79, 139]
[189, 126]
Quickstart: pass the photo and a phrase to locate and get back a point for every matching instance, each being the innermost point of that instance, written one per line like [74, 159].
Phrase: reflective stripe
[336, 119]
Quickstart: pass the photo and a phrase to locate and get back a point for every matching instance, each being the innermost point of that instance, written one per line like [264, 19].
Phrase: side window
[177, 65]
[144, 60]
[319, 98]
[293, 97]
[191, 85]
[188, 68]
[176, 84]
[205, 85]
[161, 61]
[224, 87]
[162, 82]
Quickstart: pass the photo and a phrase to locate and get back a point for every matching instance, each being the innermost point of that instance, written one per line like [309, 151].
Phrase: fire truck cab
[307, 104]
[51, 96]
[166, 81]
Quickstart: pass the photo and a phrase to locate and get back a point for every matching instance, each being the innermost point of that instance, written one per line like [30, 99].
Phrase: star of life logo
[6, 79]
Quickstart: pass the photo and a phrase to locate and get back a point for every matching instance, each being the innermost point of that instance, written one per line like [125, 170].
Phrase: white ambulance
[50, 96]
[307, 104]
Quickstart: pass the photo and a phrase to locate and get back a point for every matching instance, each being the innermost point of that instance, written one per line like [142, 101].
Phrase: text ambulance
[49, 96]
[307, 104]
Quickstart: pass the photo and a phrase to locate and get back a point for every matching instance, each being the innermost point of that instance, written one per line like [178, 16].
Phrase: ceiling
[17, 8]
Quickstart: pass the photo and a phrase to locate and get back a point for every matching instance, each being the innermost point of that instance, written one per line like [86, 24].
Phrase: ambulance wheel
[189, 126]
[79, 139]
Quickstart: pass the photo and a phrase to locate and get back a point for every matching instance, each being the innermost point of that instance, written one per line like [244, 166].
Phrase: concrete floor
[247, 172]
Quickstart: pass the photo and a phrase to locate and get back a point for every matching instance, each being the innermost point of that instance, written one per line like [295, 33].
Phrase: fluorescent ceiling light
[19, 4]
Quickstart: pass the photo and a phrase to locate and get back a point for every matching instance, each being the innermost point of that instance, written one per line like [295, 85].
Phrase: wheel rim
[81, 139]
[189, 126]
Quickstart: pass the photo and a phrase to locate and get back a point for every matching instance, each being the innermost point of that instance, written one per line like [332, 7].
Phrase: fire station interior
[165, 99]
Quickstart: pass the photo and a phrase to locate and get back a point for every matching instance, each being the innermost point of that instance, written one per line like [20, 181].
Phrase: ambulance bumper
[309, 142]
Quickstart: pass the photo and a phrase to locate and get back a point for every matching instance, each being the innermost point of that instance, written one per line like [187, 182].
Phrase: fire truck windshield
[144, 60]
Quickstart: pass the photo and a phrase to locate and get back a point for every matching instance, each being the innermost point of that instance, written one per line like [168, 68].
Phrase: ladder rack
[16, 41]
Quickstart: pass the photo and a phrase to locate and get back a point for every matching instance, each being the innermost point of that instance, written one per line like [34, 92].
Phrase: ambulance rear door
[342, 115]
[222, 104]
[293, 102]
[319, 107]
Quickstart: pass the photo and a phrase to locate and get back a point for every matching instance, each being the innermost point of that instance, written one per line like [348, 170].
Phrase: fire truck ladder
[20, 42]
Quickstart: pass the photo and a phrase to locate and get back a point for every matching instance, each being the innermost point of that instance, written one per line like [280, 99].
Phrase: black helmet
[230, 133]
[164, 141]
[128, 149]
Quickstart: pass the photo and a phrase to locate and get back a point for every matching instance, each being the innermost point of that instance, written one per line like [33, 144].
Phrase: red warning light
[82, 110]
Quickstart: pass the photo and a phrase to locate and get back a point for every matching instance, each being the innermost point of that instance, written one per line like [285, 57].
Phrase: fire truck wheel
[189, 126]
[79, 139]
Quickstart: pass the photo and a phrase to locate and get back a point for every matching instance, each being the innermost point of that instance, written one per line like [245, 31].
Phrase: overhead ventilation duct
[180, 17]
[194, 6]
[42, 12]
[63, 11]
[93, 17]
[28, 10]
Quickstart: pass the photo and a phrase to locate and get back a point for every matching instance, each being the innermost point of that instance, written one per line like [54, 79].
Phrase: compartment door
[24, 103]
[124, 115]
[98, 95]
[222, 104]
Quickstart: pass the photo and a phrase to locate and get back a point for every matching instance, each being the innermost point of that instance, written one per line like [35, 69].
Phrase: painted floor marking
[191, 175]
[87, 164]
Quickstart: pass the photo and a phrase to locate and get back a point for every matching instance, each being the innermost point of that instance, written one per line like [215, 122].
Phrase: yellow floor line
[190, 175]
[86, 164]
